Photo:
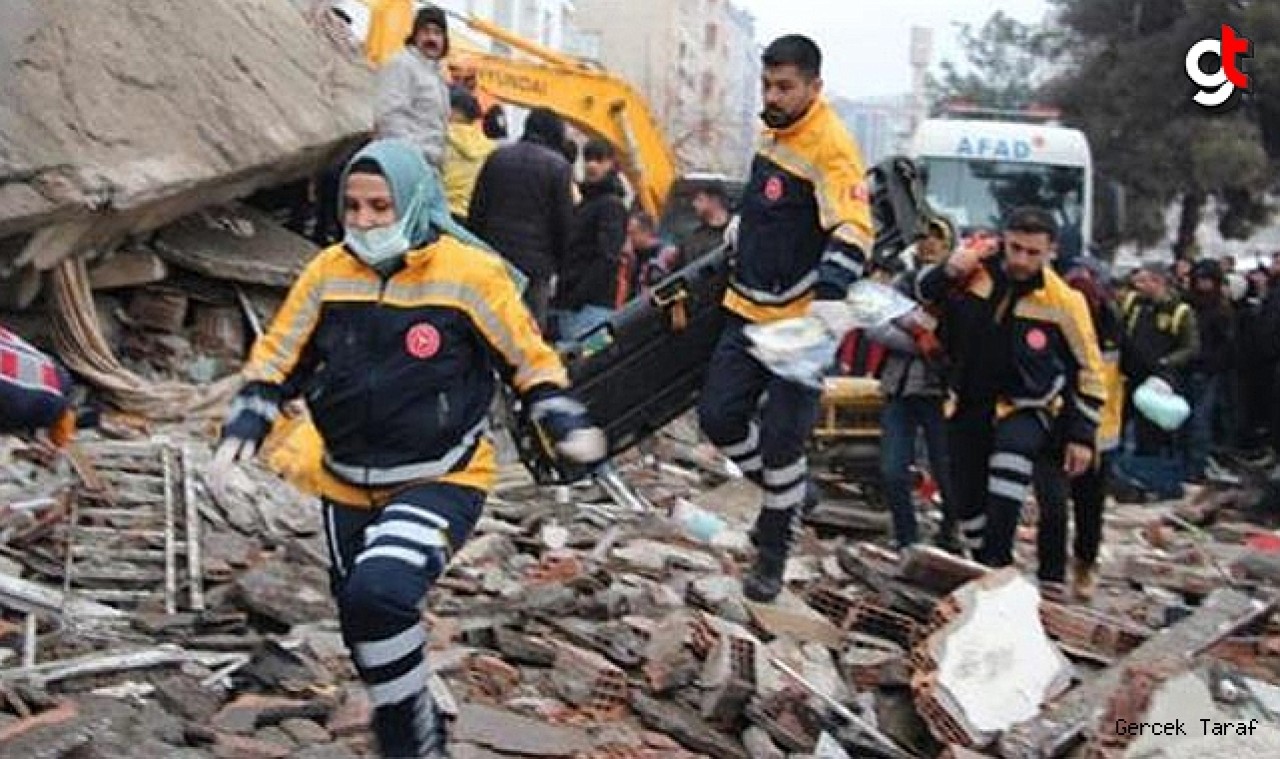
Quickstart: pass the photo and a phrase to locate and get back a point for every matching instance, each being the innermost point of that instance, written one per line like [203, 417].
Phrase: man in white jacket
[413, 97]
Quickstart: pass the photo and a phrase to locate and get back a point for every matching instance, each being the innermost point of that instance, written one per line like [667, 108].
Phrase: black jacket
[1019, 345]
[588, 276]
[1216, 322]
[523, 206]
[701, 241]
[1161, 338]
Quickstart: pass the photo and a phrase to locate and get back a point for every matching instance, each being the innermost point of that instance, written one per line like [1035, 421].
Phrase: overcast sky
[866, 43]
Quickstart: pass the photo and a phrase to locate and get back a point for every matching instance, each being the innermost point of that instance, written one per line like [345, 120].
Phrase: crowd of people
[581, 247]
[1004, 390]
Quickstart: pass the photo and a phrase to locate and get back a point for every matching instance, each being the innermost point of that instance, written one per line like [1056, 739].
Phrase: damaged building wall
[121, 115]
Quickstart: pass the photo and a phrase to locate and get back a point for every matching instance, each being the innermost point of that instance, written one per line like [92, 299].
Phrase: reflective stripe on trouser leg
[405, 550]
[972, 531]
[784, 493]
[784, 486]
[1008, 484]
[745, 454]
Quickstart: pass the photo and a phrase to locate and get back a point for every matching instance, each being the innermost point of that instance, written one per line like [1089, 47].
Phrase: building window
[710, 37]
[708, 85]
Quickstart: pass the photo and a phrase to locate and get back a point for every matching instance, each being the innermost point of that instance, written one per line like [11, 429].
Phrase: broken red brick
[660, 742]
[960, 752]
[240, 717]
[788, 718]
[924, 691]
[869, 662]
[588, 680]
[58, 715]
[243, 747]
[1090, 633]
[491, 675]
[729, 678]
[556, 567]
[1130, 702]
[703, 635]
[351, 717]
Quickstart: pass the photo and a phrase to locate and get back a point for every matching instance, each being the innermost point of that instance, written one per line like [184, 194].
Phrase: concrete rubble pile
[119, 118]
[142, 615]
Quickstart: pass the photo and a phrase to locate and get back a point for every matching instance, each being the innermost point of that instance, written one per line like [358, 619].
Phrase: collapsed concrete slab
[988, 664]
[122, 116]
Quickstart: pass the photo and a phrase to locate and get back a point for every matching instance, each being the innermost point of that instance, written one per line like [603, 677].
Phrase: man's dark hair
[545, 125]
[597, 150]
[795, 50]
[464, 103]
[432, 15]
[366, 165]
[570, 150]
[714, 190]
[1032, 221]
[495, 123]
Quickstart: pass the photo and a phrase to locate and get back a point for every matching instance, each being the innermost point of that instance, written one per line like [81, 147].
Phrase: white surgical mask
[379, 245]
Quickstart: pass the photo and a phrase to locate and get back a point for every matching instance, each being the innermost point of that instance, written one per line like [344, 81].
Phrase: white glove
[583, 446]
[731, 232]
[835, 316]
[231, 452]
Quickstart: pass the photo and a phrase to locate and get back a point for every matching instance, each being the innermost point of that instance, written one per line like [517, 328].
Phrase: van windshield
[978, 194]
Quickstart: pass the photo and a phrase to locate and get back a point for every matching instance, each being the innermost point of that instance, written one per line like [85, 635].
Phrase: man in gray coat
[413, 97]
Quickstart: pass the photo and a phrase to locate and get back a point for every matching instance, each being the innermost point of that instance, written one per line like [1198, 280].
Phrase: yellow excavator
[582, 92]
[585, 95]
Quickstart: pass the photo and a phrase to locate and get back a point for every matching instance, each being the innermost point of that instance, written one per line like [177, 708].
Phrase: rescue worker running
[1024, 356]
[393, 337]
[802, 241]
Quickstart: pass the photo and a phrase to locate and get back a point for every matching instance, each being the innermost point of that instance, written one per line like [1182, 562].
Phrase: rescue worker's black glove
[575, 437]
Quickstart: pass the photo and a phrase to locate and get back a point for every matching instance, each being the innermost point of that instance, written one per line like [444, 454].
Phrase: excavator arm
[581, 92]
[593, 100]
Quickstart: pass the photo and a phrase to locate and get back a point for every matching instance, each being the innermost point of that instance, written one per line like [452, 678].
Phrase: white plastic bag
[802, 348]
[798, 349]
[1156, 400]
[873, 303]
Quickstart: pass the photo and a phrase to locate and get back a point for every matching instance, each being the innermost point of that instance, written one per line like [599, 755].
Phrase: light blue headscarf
[407, 172]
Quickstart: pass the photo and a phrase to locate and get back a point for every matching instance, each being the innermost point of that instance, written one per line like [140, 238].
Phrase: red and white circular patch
[422, 341]
[773, 188]
[1037, 340]
[860, 193]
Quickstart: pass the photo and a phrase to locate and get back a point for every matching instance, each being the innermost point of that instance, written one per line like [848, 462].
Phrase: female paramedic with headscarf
[393, 337]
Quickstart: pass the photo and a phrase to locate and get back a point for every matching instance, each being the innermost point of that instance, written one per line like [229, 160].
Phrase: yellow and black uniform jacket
[1160, 338]
[1028, 345]
[1108, 325]
[398, 372]
[806, 222]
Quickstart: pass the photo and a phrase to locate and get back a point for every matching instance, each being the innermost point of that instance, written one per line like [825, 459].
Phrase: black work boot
[764, 582]
[772, 537]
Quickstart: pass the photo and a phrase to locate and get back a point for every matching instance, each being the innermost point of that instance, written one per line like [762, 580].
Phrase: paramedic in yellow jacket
[803, 239]
[465, 151]
[1088, 492]
[1024, 359]
[395, 338]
